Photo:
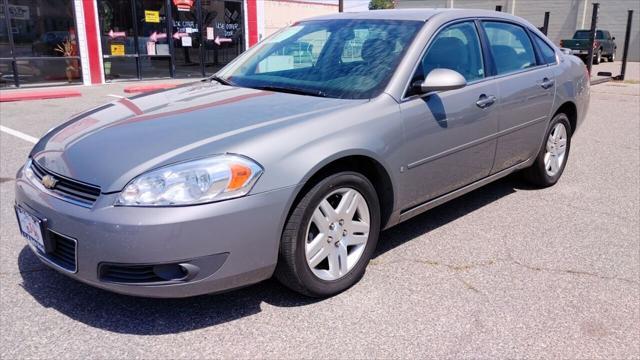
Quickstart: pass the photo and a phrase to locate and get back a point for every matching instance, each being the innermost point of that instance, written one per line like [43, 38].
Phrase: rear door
[450, 134]
[526, 88]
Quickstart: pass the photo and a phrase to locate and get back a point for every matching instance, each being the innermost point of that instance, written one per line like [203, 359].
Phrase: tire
[612, 57]
[598, 58]
[539, 173]
[295, 271]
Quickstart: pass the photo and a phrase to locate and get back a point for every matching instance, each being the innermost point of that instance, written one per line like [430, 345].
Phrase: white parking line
[19, 134]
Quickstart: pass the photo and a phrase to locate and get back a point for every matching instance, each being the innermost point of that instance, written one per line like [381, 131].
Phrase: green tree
[381, 4]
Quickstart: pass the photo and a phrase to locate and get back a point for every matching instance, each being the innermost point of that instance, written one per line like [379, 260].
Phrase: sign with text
[117, 49]
[151, 16]
[16, 12]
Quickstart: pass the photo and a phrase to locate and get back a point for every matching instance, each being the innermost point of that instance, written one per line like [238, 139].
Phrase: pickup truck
[603, 46]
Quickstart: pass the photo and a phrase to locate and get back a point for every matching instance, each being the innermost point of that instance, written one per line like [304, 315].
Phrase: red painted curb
[147, 88]
[38, 95]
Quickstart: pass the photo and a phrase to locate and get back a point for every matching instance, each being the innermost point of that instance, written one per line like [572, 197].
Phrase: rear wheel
[612, 57]
[330, 236]
[552, 158]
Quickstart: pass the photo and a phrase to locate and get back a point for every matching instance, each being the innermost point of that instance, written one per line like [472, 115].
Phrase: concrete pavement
[505, 271]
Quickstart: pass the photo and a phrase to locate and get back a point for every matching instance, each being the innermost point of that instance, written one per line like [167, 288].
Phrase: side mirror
[440, 80]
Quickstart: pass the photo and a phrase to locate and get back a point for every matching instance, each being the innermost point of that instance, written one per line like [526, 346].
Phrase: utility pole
[340, 5]
[592, 36]
[627, 37]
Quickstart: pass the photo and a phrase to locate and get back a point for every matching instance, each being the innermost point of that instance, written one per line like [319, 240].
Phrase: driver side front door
[450, 135]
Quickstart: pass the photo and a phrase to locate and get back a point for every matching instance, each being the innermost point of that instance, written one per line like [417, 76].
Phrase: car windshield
[348, 59]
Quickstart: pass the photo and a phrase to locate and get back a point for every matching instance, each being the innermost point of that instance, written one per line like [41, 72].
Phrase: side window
[600, 35]
[510, 45]
[456, 47]
[548, 54]
[299, 54]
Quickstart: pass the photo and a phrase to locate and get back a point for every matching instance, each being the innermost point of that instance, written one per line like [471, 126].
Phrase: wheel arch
[569, 108]
[362, 162]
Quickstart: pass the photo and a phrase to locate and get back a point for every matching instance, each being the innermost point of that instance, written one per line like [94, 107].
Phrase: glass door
[153, 38]
[118, 37]
[186, 38]
[223, 31]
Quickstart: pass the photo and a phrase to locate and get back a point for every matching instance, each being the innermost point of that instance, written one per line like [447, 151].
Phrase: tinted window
[581, 34]
[510, 46]
[548, 54]
[456, 47]
[352, 59]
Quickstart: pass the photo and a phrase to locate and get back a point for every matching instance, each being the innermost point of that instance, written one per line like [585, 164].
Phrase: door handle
[547, 83]
[485, 101]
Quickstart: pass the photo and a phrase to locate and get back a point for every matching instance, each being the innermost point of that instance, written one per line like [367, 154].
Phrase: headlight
[193, 182]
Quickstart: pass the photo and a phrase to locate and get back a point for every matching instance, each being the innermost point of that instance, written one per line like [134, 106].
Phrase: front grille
[64, 253]
[72, 189]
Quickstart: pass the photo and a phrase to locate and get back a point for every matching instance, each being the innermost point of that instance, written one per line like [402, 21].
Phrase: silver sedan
[292, 159]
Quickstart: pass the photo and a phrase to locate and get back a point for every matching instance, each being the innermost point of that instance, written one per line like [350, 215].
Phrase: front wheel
[552, 158]
[330, 236]
[598, 58]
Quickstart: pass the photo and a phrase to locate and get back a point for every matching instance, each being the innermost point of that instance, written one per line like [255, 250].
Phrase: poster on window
[183, 5]
[16, 12]
[117, 49]
[151, 16]
[186, 41]
[151, 48]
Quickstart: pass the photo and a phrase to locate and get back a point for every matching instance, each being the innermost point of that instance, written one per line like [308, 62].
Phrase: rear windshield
[584, 34]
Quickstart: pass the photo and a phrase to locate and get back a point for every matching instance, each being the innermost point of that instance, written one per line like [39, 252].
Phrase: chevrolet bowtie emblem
[49, 181]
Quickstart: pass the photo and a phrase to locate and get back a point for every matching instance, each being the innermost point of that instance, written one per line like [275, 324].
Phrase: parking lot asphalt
[505, 271]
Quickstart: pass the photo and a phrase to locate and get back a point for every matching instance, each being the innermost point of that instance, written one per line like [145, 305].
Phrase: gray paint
[433, 147]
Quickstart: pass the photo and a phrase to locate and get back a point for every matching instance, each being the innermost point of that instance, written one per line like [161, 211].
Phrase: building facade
[55, 42]
[566, 16]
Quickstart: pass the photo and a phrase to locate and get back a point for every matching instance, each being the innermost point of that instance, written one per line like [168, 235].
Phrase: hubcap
[556, 149]
[337, 234]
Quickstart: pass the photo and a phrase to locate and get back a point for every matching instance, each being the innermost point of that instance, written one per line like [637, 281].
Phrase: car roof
[422, 14]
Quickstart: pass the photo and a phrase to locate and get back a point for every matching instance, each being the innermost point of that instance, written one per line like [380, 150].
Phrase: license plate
[31, 228]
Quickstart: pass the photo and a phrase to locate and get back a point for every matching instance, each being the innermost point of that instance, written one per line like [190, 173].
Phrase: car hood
[110, 145]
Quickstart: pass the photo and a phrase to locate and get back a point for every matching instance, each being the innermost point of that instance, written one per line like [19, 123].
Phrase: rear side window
[548, 54]
[510, 45]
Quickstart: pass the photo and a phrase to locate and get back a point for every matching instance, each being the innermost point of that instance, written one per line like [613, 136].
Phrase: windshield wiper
[220, 80]
[287, 90]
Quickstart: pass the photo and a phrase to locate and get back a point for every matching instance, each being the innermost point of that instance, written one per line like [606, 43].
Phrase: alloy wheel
[556, 149]
[337, 234]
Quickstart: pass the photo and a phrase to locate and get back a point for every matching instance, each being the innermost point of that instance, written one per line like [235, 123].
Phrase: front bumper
[242, 235]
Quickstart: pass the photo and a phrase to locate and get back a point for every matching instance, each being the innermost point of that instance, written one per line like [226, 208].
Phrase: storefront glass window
[149, 38]
[224, 20]
[43, 46]
[187, 39]
[118, 39]
[153, 39]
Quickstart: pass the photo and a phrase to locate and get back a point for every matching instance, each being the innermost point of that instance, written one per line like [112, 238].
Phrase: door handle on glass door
[485, 101]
